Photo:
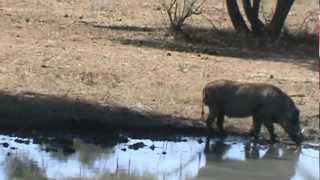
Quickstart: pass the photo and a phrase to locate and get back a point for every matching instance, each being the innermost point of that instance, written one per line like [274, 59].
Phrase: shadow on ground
[300, 49]
[27, 111]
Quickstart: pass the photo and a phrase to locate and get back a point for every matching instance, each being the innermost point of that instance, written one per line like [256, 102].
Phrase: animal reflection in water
[217, 149]
[233, 160]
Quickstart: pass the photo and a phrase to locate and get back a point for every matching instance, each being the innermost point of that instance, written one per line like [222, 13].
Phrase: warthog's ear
[294, 115]
[289, 114]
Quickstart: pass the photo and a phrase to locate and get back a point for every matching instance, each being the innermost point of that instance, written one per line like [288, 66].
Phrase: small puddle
[119, 156]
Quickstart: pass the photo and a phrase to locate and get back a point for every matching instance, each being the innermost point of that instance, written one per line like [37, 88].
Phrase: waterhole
[165, 157]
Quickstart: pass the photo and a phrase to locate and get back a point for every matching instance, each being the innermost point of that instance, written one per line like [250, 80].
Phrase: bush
[179, 10]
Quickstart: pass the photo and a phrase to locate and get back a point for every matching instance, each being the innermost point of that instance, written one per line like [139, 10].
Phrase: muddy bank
[29, 111]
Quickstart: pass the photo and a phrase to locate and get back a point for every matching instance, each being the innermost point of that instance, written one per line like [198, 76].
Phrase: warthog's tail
[202, 105]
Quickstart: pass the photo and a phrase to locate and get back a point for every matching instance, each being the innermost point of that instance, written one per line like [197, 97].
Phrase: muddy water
[123, 156]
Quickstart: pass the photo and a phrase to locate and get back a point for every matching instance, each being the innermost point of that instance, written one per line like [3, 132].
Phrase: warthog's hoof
[223, 133]
[274, 140]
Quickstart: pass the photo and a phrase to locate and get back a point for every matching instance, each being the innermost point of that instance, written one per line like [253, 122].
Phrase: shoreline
[30, 111]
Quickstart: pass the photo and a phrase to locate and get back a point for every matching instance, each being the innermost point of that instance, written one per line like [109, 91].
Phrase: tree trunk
[236, 17]
[251, 9]
[252, 13]
[282, 9]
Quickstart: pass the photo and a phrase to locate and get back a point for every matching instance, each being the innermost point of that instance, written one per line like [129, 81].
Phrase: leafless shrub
[309, 21]
[179, 10]
[305, 30]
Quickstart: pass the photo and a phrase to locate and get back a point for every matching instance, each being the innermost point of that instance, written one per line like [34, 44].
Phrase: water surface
[120, 156]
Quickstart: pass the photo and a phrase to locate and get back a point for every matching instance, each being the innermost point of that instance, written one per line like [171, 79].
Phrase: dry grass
[119, 52]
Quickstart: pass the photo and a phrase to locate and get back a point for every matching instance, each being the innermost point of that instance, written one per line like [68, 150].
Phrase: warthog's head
[292, 126]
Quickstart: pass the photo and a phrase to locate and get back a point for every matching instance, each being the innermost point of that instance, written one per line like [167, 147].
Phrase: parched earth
[74, 60]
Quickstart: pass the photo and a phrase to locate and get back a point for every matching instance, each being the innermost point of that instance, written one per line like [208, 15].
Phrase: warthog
[266, 103]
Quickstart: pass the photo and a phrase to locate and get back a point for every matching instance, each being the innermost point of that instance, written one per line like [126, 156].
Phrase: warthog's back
[242, 99]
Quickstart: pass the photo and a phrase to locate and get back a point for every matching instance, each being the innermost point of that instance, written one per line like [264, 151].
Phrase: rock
[136, 146]
[68, 150]
[152, 147]
[5, 145]
[139, 106]
[45, 66]
[158, 8]
[50, 44]
[200, 141]
[21, 141]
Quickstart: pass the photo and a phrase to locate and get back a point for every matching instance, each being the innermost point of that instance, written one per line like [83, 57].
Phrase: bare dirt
[119, 55]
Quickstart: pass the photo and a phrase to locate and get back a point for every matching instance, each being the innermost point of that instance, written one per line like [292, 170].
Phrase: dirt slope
[119, 52]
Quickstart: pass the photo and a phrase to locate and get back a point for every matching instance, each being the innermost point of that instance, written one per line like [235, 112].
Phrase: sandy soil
[119, 53]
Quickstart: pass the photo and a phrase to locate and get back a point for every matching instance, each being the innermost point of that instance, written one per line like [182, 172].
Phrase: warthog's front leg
[270, 128]
[257, 122]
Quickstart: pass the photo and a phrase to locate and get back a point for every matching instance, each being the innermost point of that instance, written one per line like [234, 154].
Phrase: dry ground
[119, 52]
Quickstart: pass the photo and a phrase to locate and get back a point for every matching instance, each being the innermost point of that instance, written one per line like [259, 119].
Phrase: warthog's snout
[297, 138]
[296, 133]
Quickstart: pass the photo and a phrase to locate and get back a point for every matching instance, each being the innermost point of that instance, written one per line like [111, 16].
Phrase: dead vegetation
[179, 10]
[119, 52]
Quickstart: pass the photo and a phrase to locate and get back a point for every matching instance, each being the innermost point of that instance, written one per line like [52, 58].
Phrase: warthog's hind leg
[211, 117]
[220, 122]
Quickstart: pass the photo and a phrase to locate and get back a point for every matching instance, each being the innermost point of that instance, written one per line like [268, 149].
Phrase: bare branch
[179, 10]
[176, 12]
